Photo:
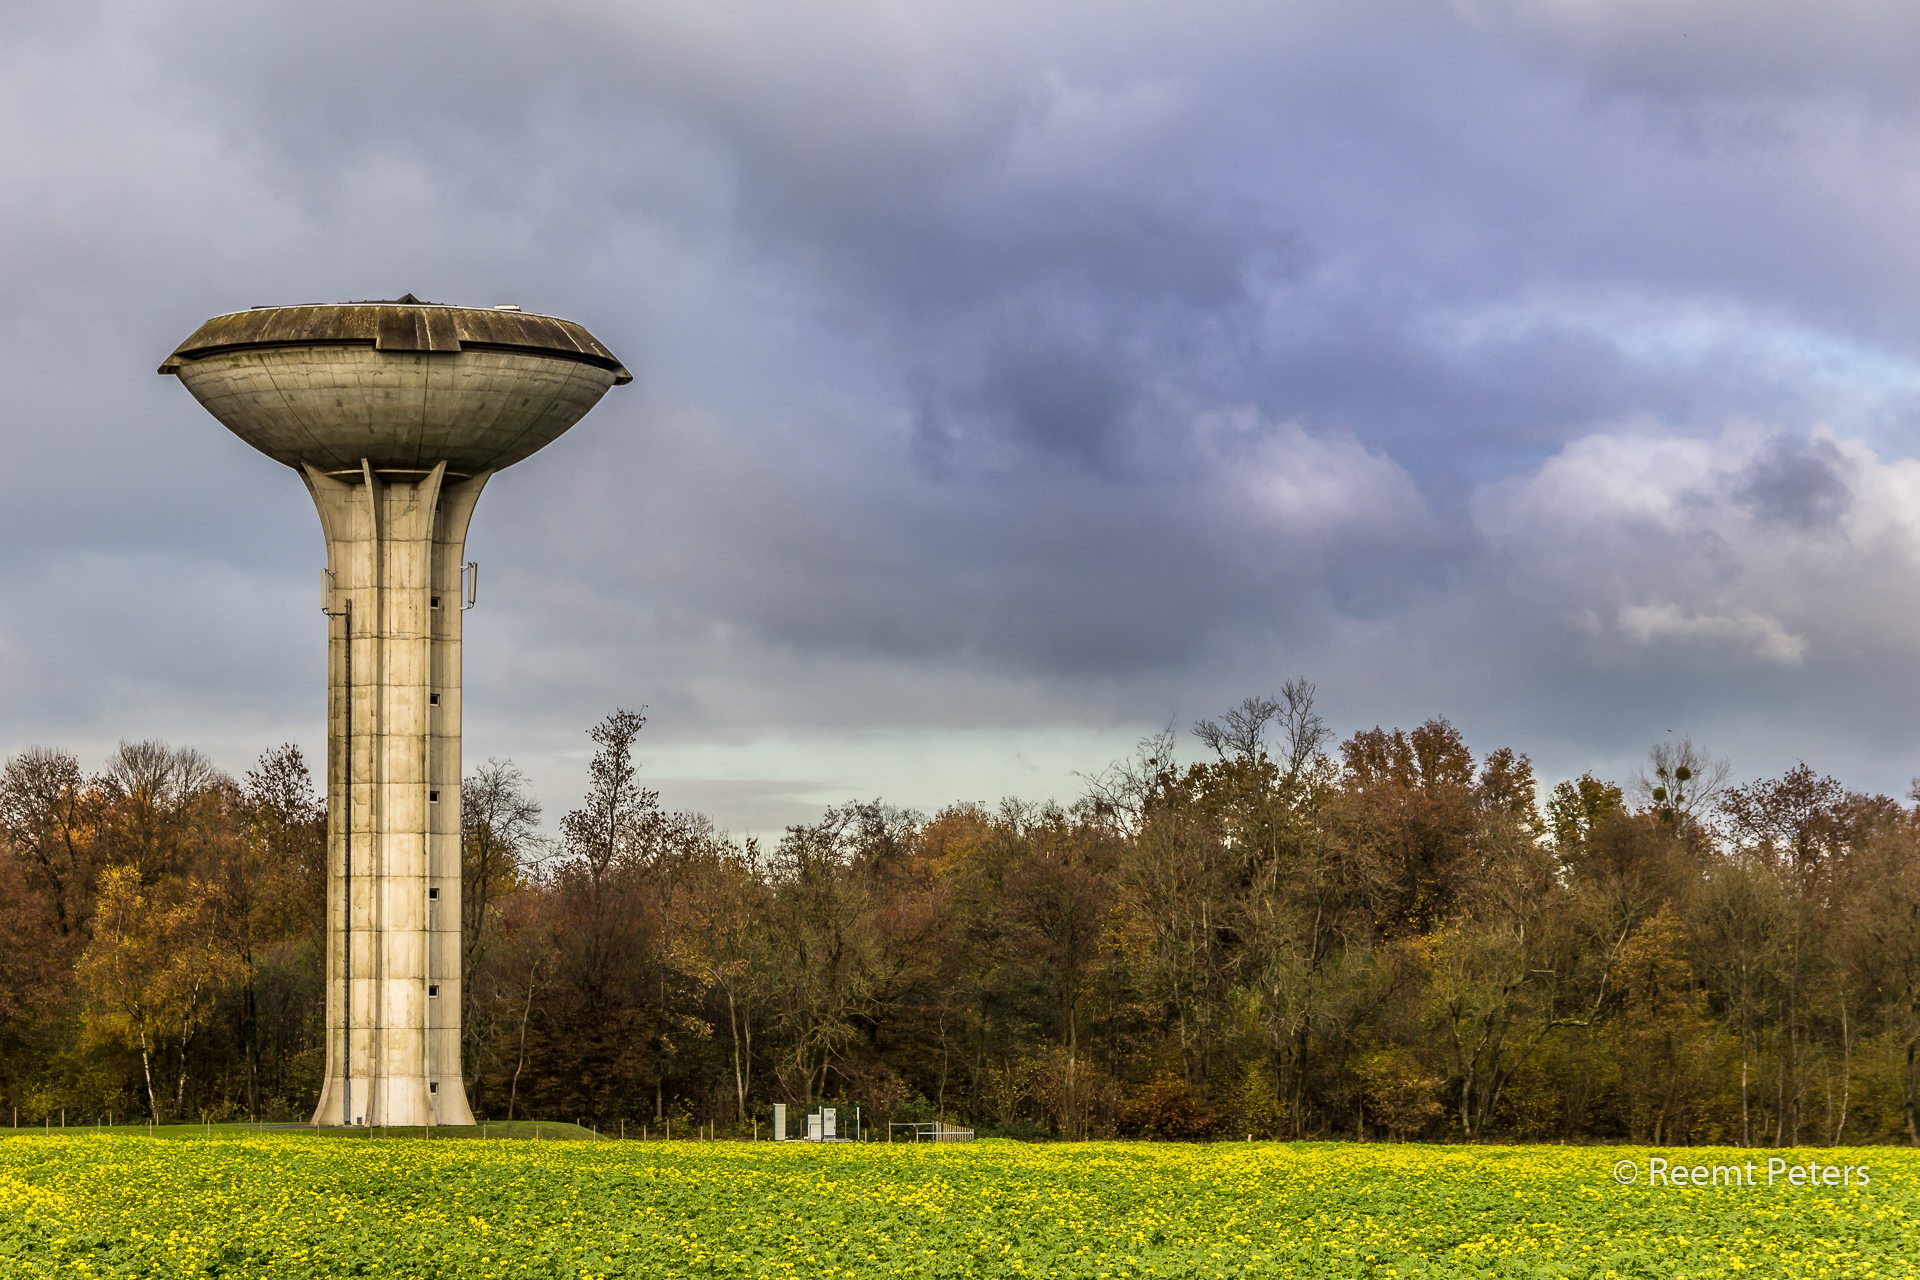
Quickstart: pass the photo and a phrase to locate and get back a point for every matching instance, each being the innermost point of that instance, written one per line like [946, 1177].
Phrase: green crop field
[321, 1206]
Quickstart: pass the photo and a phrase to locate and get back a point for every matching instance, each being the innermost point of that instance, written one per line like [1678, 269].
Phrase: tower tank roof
[403, 324]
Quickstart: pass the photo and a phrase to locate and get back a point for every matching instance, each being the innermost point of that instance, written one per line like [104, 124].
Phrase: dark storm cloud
[1002, 368]
[1698, 51]
[1801, 484]
[1053, 392]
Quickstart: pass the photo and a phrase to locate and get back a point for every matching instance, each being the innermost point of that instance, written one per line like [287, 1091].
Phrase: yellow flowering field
[321, 1206]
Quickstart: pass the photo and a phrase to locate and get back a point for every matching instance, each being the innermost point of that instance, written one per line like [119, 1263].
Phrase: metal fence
[926, 1131]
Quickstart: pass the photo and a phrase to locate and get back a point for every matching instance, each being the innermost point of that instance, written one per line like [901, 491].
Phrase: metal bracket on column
[469, 585]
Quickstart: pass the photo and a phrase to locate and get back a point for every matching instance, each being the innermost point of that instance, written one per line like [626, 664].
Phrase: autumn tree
[607, 927]
[499, 839]
[46, 829]
[1788, 840]
[1411, 795]
[1880, 941]
[273, 888]
[152, 970]
[730, 952]
[821, 930]
[1482, 984]
[151, 805]
[1306, 909]
[1402, 1093]
[1667, 1044]
[1681, 784]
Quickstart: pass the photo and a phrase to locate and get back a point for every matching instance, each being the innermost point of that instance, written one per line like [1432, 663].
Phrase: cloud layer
[1009, 381]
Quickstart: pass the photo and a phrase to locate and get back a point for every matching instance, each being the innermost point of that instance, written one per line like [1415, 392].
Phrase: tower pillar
[396, 545]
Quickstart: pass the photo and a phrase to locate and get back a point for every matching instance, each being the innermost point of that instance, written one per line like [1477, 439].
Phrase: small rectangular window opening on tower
[433, 895]
[433, 1086]
[433, 797]
[433, 989]
[433, 699]
[433, 602]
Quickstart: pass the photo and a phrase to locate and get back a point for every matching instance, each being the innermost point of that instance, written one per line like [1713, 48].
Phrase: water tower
[395, 414]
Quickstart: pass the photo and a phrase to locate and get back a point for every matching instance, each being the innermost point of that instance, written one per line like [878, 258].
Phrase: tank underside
[334, 407]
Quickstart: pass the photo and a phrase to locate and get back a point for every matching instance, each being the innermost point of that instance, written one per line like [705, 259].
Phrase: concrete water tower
[395, 414]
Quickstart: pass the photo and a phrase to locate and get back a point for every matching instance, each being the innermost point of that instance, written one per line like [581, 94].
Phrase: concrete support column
[396, 545]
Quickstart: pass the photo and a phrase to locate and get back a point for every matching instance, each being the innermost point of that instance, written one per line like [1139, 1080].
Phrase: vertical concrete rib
[369, 929]
[444, 952]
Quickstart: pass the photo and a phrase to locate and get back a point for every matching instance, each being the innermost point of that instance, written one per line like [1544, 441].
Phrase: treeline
[1387, 937]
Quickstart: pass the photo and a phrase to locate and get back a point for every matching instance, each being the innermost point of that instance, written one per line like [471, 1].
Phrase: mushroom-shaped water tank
[402, 385]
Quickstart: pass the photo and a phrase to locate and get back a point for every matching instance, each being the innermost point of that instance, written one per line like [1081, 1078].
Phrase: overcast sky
[1011, 379]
